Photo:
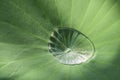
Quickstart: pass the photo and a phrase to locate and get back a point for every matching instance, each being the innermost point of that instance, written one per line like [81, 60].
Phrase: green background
[25, 27]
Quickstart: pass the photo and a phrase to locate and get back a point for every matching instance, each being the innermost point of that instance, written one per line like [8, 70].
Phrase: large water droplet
[70, 46]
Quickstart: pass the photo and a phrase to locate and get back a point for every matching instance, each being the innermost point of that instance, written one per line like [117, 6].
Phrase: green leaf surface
[25, 28]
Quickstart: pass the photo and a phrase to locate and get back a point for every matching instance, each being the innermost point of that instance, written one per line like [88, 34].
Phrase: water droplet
[70, 46]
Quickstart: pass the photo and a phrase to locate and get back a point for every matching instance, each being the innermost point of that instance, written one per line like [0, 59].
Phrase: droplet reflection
[70, 46]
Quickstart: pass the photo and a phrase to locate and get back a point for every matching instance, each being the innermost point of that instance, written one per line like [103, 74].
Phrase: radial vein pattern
[26, 27]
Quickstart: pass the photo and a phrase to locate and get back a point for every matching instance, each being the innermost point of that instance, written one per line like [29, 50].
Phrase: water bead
[70, 46]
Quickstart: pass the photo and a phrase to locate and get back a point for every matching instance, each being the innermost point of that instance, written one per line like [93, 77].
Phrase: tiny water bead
[70, 46]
